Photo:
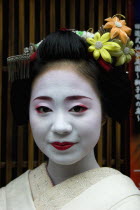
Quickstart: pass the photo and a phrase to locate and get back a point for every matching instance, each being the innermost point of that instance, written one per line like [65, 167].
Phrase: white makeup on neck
[65, 117]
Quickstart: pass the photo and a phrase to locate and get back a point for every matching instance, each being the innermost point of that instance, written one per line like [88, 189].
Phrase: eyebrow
[69, 98]
[44, 98]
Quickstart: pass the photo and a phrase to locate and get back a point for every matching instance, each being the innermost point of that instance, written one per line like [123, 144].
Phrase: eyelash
[84, 108]
[44, 109]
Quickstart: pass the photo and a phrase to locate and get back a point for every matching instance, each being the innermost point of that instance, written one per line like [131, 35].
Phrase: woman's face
[65, 115]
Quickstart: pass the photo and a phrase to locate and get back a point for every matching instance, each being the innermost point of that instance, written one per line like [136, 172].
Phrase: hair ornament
[101, 45]
[118, 28]
[19, 65]
[110, 46]
[84, 34]
[125, 54]
[112, 43]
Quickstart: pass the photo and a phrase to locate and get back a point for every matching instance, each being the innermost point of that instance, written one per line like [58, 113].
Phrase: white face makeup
[65, 115]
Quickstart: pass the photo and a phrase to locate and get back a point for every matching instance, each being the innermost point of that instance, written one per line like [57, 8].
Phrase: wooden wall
[28, 21]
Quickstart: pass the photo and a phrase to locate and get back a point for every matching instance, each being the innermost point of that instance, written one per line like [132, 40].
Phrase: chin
[65, 163]
[63, 160]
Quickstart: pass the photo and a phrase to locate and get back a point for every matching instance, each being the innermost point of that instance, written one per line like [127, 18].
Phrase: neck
[59, 173]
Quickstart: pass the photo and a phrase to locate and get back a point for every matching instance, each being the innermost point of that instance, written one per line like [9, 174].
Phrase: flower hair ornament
[110, 46]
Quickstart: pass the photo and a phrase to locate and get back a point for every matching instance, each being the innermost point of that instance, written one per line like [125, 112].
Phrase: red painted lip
[63, 145]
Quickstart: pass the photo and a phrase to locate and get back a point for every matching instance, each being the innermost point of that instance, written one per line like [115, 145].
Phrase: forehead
[61, 77]
[63, 80]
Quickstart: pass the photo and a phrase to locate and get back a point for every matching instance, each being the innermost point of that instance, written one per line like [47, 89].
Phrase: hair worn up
[113, 87]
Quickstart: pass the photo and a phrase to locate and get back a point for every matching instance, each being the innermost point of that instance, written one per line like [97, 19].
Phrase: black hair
[114, 86]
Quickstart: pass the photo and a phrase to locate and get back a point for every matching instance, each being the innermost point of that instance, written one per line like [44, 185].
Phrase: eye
[78, 109]
[43, 109]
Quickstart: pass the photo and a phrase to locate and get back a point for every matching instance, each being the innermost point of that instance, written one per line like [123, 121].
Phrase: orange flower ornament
[118, 28]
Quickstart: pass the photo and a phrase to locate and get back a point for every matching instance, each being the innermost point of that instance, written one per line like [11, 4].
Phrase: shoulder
[115, 178]
[123, 191]
[17, 193]
[113, 191]
[17, 184]
[2, 199]
[129, 203]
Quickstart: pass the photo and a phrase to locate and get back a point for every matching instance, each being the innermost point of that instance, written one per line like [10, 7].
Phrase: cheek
[36, 126]
[36, 122]
[39, 134]
[90, 127]
[38, 130]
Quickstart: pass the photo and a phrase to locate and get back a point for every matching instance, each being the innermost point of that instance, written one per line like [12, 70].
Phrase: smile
[63, 145]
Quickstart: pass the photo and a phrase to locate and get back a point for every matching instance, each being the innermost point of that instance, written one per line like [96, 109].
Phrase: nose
[61, 125]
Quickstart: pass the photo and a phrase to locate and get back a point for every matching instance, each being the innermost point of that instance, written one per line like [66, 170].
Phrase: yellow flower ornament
[125, 54]
[101, 46]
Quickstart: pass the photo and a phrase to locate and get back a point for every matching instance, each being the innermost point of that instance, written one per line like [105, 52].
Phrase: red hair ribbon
[63, 29]
[66, 29]
[33, 57]
[107, 67]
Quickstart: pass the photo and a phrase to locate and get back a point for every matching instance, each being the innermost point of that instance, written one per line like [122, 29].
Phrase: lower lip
[63, 146]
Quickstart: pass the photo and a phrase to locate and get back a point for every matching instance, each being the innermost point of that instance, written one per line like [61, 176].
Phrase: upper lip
[62, 143]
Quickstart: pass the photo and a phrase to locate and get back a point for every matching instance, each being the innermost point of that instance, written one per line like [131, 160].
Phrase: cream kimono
[97, 189]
